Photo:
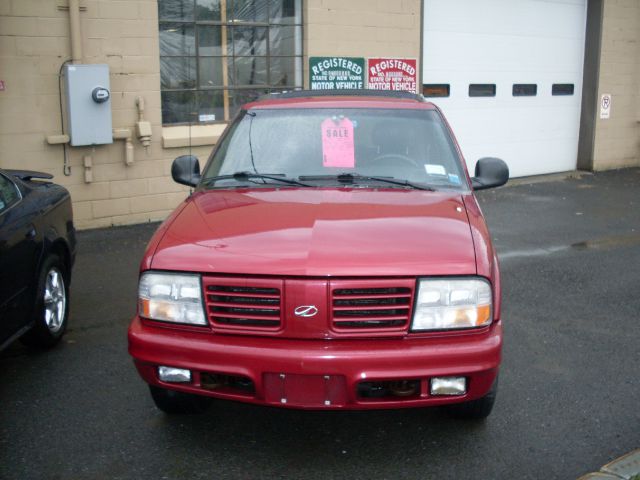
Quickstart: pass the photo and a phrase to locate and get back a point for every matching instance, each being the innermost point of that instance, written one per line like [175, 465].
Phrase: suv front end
[333, 285]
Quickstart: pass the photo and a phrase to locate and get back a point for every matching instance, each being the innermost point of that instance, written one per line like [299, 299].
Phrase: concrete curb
[626, 467]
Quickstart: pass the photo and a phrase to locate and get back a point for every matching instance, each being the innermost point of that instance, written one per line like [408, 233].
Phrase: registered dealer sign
[393, 74]
[336, 73]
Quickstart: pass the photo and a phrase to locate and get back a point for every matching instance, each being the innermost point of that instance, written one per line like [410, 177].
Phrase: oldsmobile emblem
[306, 311]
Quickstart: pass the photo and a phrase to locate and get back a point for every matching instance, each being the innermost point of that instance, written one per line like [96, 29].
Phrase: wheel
[172, 402]
[397, 156]
[475, 409]
[51, 309]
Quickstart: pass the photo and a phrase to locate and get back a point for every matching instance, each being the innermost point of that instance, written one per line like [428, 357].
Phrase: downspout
[74, 31]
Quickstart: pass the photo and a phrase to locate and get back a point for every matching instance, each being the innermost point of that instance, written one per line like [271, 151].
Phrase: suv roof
[341, 98]
[346, 93]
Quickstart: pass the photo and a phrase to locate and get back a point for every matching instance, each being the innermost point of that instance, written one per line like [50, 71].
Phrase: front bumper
[319, 374]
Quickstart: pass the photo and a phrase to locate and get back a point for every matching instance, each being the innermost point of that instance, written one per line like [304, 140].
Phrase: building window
[482, 90]
[435, 90]
[562, 89]
[9, 193]
[525, 89]
[216, 55]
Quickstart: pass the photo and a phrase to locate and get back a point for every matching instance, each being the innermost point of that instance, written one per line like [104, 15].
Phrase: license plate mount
[313, 391]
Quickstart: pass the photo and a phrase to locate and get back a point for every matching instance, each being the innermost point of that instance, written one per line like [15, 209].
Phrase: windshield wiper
[352, 178]
[248, 176]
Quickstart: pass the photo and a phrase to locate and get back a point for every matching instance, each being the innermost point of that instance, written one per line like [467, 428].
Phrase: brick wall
[617, 140]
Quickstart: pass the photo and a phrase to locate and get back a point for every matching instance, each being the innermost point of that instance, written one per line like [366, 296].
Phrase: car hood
[320, 232]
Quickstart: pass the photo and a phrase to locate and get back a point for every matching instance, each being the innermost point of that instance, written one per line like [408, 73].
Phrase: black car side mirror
[490, 172]
[185, 170]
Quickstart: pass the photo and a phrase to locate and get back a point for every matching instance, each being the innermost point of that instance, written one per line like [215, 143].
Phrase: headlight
[456, 303]
[171, 298]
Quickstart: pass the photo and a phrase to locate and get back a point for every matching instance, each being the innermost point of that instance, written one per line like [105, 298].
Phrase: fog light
[448, 386]
[174, 375]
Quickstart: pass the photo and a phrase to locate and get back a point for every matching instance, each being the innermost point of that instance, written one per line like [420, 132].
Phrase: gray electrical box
[88, 104]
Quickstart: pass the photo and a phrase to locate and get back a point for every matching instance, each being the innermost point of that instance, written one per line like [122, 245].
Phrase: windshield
[319, 146]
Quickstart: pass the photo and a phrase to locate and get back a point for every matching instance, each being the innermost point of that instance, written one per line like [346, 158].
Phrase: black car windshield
[319, 146]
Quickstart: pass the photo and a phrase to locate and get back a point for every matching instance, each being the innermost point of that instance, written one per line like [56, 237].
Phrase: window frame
[17, 188]
[227, 57]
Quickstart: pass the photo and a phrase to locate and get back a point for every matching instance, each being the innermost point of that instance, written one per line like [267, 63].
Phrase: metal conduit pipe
[143, 127]
[74, 31]
[126, 135]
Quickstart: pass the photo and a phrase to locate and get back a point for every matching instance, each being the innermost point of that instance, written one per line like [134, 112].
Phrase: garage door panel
[502, 43]
[512, 17]
[510, 126]
[500, 53]
[526, 158]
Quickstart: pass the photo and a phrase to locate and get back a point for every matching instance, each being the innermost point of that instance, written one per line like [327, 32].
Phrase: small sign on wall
[393, 74]
[336, 73]
[605, 106]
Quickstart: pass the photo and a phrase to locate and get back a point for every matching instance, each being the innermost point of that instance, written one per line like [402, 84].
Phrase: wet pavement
[569, 388]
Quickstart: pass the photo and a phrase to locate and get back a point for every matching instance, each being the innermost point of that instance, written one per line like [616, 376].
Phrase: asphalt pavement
[569, 398]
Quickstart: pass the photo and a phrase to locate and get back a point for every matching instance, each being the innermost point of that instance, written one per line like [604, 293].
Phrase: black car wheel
[172, 402]
[475, 409]
[52, 305]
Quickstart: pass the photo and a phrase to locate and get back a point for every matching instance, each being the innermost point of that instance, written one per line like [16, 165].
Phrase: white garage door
[512, 70]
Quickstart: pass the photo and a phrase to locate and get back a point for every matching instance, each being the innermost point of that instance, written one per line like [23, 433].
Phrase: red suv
[331, 256]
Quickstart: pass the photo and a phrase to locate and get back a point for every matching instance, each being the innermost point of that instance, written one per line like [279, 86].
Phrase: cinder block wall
[34, 42]
[617, 139]
[362, 28]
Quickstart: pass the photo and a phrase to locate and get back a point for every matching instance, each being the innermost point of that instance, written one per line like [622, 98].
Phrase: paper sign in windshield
[338, 149]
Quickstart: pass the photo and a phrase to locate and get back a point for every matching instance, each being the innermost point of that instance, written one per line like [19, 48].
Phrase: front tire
[475, 409]
[51, 309]
[177, 403]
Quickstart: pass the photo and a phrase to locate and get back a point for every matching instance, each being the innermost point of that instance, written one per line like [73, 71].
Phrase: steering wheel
[397, 156]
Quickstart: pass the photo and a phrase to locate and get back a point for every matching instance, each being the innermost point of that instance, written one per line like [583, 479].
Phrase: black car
[37, 251]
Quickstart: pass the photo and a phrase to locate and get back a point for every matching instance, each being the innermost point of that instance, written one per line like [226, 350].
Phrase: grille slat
[248, 322]
[244, 294]
[367, 308]
[369, 318]
[244, 306]
[256, 306]
[346, 298]
[371, 308]
[245, 313]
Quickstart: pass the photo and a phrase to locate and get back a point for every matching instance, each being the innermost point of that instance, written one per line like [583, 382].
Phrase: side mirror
[490, 172]
[185, 170]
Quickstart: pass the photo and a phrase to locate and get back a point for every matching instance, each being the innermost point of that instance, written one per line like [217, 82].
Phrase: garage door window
[562, 89]
[216, 55]
[525, 89]
[482, 90]
[436, 90]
